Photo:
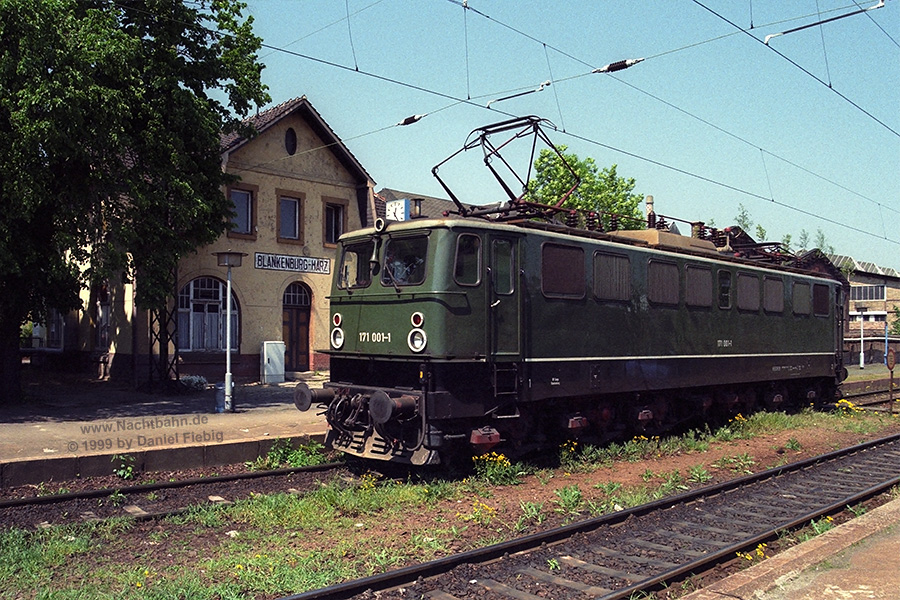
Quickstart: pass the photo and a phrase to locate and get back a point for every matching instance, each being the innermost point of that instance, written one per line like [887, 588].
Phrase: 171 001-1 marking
[374, 336]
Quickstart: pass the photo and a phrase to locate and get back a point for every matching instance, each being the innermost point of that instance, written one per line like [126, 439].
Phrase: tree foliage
[601, 190]
[109, 144]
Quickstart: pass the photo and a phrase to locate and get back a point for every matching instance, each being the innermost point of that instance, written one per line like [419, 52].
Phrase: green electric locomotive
[491, 329]
[460, 334]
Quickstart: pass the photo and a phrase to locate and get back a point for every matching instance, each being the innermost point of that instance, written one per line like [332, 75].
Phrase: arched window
[296, 294]
[201, 316]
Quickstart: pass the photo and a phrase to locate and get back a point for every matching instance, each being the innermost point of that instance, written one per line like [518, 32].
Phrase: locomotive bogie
[458, 335]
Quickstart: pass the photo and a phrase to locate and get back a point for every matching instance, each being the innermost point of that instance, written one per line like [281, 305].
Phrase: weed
[609, 488]
[553, 564]
[569, 500]
[117, 498]
[757, 555]
[845, 408]
[568, 454]
[496, 469]
[698, 474]
[822, 525]
[282, 454]
[481, 513]
[793, 444]
[858, 510]
[647, 475]
[739, 463]
[152, 496]
[126, 466]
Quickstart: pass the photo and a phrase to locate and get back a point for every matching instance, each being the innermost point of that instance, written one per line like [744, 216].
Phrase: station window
[289, 219]
[201, 316]
[662, 283]
[244, 220]
[612, 277]
[747, 292]
[801, 298]
[334, 222]
[355, 270]
[773, 295]
[820, 300]
[562, 271]
[725, 289]
[698, 286]
[467, 266]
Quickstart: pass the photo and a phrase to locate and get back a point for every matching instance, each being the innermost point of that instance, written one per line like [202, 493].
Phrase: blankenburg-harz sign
[298, 264]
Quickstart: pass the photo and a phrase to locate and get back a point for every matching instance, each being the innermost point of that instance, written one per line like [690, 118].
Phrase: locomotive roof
[813, 263]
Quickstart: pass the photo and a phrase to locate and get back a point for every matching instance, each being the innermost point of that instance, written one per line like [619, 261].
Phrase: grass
[271, 545]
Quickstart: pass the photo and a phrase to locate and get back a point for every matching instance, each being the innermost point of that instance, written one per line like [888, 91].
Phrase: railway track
[618, 555]
[873, 398]
[155, 500]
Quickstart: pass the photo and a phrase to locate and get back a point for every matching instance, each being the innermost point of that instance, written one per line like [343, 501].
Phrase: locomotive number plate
[374, 336]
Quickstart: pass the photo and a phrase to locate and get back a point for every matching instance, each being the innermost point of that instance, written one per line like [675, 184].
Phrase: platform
[67, 430]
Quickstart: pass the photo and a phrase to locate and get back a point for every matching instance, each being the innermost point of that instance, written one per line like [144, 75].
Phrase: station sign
[297, 264]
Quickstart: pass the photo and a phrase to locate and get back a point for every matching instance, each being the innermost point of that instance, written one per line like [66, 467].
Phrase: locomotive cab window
[725, 290]
[698, 287]
[404, 261]
[747, 292]
[662, 283]
[467, 269]
[355, 270]
[562, 271]
[820, 300]
[801, 298]
[612, 277]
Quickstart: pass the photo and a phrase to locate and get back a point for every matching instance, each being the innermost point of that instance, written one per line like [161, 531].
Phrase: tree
[602, 191]
[895, 322]
[109, 146]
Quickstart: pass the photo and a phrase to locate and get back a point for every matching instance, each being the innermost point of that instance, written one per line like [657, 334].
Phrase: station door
[295, 326]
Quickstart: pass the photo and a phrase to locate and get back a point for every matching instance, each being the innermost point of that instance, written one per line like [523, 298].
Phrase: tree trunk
[10, 364]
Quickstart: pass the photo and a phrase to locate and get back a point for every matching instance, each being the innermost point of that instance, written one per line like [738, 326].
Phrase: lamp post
[228, 259]
[862, 326]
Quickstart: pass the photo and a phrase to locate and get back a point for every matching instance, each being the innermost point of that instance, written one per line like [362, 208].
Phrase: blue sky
[804, 132]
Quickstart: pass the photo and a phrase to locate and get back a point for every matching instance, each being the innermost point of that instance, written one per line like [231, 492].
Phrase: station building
[874, 298]
[299, 189]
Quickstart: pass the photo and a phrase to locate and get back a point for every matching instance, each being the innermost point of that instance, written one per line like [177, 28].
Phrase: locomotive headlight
[417, 319]
[337, 319]
[337, 338]
[416, 340]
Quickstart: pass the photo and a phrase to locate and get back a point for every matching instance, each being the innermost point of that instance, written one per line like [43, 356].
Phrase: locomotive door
[504, 336]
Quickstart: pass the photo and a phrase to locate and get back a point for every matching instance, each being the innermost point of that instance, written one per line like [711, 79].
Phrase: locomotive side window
[504, 267]
[801, 298]
[698, 286]
[747, 292]
[820, 300]
[725, 289]
[662, 283]
[562, 271]
[404, 261]
[612, 277]
[467, 269]
[773, 295]
[354, 270]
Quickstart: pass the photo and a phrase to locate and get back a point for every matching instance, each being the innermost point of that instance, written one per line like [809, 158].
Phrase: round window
[290, 141]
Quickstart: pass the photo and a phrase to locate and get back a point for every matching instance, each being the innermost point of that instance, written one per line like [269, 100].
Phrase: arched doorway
[295, 326]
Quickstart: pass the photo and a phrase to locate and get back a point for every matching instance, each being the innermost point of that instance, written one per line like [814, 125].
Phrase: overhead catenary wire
[471, 102]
